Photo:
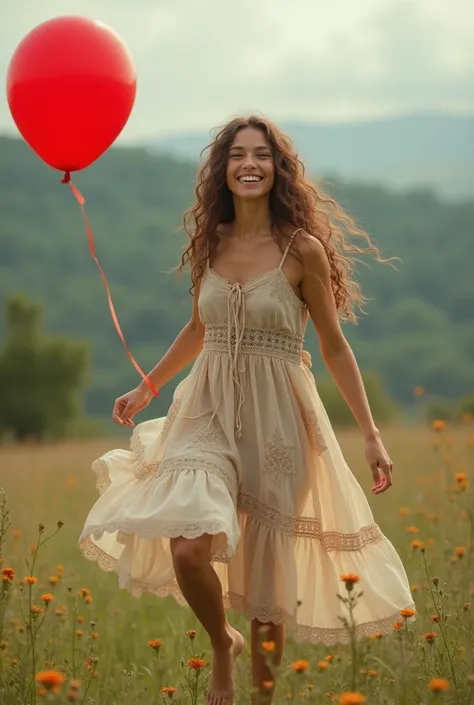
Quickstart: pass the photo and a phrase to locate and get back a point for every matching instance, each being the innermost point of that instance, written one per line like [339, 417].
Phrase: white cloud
[199, 61]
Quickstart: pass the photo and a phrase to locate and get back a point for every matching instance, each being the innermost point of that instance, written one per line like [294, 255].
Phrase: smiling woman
[241, 497]
[250, 165]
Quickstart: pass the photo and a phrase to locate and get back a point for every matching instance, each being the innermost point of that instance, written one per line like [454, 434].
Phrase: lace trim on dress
[170, 419]
[307, 528]
[167, 467]
[315, 435]
[207, 435]
[283, 291]
[263, 613]
[255, 341]
[156, 529]
[179, 464]
[101, 470]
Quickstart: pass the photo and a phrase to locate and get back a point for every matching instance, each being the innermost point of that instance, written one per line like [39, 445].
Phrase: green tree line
[418, 329]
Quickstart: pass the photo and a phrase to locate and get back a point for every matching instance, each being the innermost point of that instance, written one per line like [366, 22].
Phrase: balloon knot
[66, 178]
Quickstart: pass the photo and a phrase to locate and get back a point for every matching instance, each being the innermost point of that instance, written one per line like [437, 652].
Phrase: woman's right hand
[129, 404]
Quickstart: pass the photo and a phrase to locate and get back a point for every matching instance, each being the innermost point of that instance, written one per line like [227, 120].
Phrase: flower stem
[440, 623]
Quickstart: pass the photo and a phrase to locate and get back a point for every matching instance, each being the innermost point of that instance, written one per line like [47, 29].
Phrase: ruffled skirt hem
[239, 603]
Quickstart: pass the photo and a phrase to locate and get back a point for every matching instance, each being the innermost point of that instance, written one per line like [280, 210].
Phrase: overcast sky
[201, 61]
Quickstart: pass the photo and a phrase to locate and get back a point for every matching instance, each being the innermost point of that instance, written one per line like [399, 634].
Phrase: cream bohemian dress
[248, 455]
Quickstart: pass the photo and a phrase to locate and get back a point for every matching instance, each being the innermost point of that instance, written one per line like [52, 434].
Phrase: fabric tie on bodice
[235, 331]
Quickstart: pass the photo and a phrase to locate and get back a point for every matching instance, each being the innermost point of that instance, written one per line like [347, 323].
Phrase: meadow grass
[112, 649]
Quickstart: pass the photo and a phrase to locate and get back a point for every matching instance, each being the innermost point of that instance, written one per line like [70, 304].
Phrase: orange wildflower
[79, 632]
[350, 579]
[460, 476]
[417, 544]
[415, 588]
[403, 511]
[83, 592]
[50, 680]
[412, 530]
[407, 613]
[329, 658]
[351, 699]
[88, 599]
[438, 685]
[459, 551]
[168, 691]
[430, 637]
[435, 618]
[191, 633]
[397, 626]
[322, 665]
[197, 663]
[8, 574]
[47, 598]
[268, 684]
[30, 579]
[155, 644]
[54, 579]
[90, 662]
[268, 646]
[438, 424]
[300, 666]
[36, 610]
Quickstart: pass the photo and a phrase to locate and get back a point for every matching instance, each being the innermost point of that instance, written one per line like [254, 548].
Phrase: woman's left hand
[380, 464]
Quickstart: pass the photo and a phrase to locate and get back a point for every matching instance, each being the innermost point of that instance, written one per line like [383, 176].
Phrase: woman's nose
[249, 161]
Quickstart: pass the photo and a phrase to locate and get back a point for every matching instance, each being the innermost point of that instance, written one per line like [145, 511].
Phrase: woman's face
[250, 166]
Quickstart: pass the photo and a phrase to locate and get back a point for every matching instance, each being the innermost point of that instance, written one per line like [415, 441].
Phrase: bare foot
[222, 686]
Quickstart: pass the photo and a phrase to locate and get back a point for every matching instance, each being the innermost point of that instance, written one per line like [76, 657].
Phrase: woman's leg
[260, 672]
[202, 590]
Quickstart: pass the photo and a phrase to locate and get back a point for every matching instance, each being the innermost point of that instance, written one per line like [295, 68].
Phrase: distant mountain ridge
[422, 150]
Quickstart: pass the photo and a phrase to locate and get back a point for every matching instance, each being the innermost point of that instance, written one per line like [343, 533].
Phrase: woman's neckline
[255, 281]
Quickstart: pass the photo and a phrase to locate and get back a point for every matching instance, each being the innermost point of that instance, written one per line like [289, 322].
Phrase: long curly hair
[294, 202]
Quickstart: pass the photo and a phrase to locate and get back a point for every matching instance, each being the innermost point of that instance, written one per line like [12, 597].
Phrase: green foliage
[419, 327]
[382, 406]
[466, 406]
[439, 409]
[41, 377]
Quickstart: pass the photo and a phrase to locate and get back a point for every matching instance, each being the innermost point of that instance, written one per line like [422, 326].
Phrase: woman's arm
[185, 348]
[337, 354]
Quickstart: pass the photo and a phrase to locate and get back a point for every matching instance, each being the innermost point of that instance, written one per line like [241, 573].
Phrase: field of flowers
[68, 634]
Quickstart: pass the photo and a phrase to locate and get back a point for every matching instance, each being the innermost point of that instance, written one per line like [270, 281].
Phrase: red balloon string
[81, 200]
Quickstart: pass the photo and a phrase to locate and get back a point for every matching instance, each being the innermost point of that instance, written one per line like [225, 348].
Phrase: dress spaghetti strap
[288, 247]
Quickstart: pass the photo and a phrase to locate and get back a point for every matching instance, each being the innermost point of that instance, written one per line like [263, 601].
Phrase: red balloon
[71, 86]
